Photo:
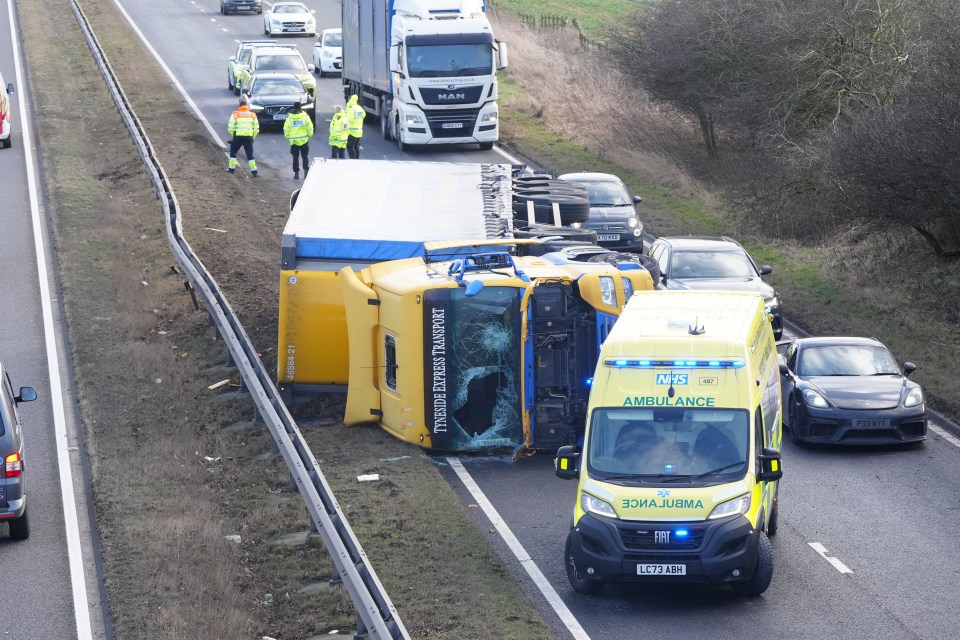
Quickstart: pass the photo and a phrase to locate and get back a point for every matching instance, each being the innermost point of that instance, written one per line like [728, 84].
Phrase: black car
[714, 264]
[272, 95]
[235, 6]
[13, 494]
[850, 391]
[613, 213]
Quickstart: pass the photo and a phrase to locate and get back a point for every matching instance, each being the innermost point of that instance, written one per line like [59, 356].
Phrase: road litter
[369, 477]
[217, 385]
[234, 538]
[158, 380]
[395, 459]
[217, 230]
[145, 283]
[209, 459]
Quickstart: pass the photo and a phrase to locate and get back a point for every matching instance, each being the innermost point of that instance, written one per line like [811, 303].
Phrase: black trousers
[241, 141]
[336, 152]
[353, 147]
[301, 151]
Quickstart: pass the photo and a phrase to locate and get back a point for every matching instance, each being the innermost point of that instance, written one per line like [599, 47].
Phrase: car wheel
[20, 528]
[486, 146]
[8, 142]
[236, 90]
[793, 426]
[580, 584]
[762, 574]
[231, 85]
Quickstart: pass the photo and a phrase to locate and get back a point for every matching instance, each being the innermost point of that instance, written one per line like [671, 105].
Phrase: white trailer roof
[386, 210]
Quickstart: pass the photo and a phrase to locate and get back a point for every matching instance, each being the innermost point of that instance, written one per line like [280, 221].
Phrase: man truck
[406, 284]
[427, 68]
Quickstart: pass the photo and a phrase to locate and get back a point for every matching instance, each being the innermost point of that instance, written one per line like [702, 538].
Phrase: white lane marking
[224, 29]
[839, 566]
[506, 155]
[163, 65]
[943, 434]
[552, 597]
[213, 19]
[81, 609]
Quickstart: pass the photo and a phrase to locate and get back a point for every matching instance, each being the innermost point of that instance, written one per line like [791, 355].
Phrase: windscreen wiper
[718, 470]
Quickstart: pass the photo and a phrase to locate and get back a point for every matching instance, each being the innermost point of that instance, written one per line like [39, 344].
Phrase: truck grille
[443, 95]
[466, 118]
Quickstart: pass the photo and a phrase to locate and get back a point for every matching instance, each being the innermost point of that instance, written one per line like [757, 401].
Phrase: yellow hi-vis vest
[355, 114]
[338, 130]
[243, 122]
[298, 128]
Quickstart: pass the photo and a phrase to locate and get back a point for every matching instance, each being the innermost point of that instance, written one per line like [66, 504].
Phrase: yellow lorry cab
[679, 468]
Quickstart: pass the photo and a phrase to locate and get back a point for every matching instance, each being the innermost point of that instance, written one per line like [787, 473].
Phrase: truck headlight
[608, 294]
[627, 288]
[814, 399]
[914, 398]
[592, 504]
[489, 117]
[414, 119]
[735, 507]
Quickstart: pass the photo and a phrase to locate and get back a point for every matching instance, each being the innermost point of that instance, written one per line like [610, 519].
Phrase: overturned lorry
[408, 285]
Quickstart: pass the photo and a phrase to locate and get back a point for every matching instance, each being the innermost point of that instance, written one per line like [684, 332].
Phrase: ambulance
[679, 468]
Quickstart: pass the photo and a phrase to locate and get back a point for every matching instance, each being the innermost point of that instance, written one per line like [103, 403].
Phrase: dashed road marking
[820, 549]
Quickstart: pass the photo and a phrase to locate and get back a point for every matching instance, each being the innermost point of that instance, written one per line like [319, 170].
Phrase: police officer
[298, 129]
[244, 127]
[355, 116]
[339, 131]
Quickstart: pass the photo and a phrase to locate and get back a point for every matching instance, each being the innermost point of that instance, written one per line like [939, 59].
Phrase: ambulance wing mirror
[567, 463]
[770, 466]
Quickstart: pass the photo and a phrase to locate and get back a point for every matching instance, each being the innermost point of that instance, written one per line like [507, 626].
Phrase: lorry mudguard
[363, 318]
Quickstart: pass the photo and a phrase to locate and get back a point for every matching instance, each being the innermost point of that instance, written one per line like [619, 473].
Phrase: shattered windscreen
[472, 368]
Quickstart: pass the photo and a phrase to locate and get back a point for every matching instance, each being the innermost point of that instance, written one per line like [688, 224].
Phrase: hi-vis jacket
[355, 115]
[243, 123]
[339, 130]
[298, 128]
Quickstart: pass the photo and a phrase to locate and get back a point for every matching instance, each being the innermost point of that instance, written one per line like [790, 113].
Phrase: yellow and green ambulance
[679, 468]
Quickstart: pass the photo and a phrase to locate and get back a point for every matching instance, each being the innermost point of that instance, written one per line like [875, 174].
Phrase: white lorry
[427, 68]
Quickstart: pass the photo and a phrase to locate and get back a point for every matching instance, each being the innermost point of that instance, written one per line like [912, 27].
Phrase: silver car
[13, 494]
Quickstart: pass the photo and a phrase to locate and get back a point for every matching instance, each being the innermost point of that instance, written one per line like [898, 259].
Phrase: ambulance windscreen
[668, 444]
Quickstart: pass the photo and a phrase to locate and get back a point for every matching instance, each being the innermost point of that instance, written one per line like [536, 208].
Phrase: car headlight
[592, 504]
[414, 119]
[772, 304]
[914, 398]
[255, 107]
[489, 117]
[633, 223]
[608, 294]
[575, 225]
[327, 54]
[814, 399]
[735, 507]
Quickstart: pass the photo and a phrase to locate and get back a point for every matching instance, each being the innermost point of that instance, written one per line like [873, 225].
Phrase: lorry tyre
[762, 574]
[572, 208]
[566, 234]
[486, 146]
[385, 119]
[580, 584]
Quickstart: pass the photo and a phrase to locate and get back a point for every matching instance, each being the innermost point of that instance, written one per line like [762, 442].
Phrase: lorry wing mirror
[502, 55]
[394, 59]
[771, 467]
[567, 463]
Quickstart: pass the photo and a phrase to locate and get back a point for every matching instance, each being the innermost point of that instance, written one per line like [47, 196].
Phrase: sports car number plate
[279, 116]
[661, 569]
[608, 237]
[452, 125]
[870, 424]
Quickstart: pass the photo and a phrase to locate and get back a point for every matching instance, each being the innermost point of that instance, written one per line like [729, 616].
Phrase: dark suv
[714, 264]
[13, 495]
[235, 6]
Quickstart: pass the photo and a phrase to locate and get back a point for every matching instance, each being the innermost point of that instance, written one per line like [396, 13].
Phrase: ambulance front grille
[654, 538]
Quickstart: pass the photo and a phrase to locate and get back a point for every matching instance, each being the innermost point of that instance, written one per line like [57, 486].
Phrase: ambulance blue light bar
[645, 363]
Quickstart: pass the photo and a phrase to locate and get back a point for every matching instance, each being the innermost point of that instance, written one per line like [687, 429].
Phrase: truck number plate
[279, 116]
[870, 424]
[452, 125]
[661, 569]
[608, 237]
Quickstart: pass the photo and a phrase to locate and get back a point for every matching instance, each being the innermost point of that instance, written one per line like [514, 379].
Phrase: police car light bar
[643, 363]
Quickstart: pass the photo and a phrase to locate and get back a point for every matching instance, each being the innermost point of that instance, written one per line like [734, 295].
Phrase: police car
[6, 127]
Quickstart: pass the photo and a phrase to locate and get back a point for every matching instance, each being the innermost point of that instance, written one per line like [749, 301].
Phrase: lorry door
[362, 307]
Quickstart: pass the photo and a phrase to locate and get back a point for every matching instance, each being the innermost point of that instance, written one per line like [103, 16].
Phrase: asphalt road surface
[47, 582]
[867, 540]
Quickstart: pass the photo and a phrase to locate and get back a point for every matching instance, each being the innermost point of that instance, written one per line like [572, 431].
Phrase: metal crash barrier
[376, 615]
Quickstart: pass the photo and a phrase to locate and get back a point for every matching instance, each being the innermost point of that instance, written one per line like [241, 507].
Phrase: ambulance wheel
[773, 521]
[579, 583]
[762, 574]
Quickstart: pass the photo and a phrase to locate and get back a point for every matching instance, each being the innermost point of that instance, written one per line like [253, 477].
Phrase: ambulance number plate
[870, 424]
[661, 569]
[609, 237]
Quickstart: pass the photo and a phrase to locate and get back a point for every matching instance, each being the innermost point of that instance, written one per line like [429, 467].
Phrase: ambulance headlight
[608, 294]
[592, 504]
[914, 398]
[814, 399]
[735, 507]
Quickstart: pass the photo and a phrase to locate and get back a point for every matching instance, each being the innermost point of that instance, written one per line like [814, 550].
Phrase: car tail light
[13, 465]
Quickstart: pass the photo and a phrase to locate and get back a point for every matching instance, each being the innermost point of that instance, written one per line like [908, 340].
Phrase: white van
[6, 127]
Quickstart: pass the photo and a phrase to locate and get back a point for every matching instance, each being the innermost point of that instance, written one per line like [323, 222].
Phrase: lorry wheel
[579, 583]
[486, 146]
[762, 574]
[20, 528]
[566, 234]
[384, 119]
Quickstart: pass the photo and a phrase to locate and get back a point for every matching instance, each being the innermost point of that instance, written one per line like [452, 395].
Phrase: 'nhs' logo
[672, 378]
